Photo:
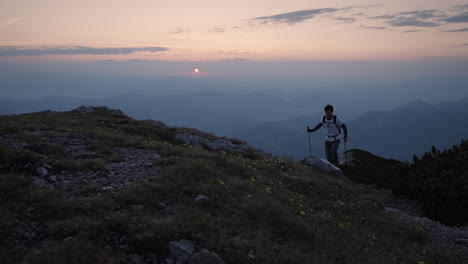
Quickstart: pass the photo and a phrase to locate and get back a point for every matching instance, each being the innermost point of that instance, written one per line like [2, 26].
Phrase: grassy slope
[285, 212]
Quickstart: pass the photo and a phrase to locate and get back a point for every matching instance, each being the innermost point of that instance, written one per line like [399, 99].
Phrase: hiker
[333, 124]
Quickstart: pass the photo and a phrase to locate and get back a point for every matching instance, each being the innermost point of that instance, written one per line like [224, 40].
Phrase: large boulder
[322, 165]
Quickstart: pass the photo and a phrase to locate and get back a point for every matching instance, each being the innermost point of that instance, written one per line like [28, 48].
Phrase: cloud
[77, 50]
[181, 31]
[408, 21]
[415, 18]
[423, 14]
[457, 30]
[233, 52]
[373, 27]
[218, 30]
[9, 21]
[382, 17]
[460, 18]
[295, 17]
[359, 14]
[462, 7]
[346, 20]
[412, 31]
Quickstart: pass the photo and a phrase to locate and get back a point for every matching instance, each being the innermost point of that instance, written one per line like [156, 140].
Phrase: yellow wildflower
[252, 179]
[221, 182]
[302, 213]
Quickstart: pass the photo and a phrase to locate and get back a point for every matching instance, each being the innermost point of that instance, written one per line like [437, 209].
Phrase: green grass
[284, 211]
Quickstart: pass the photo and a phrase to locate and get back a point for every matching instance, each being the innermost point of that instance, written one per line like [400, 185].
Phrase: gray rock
[53, 178]
[251, 255]
[47, 166]
[156, 123]
[90, 109]
[181, 251]
[41, 171]
[201, 197]
[206, 257]
[107, 188]
[322, 165]
[169, 260]
[461, 241]
[198, 139]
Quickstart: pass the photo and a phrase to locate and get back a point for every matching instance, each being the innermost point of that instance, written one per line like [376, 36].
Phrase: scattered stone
[47, 166]
[107, 188]
[39, 182]
[340, 202]
[206, 257]
[461, 241]
[53, 178]
[442, 236]
[41, 171]
[251, 255]
[201, 197]
[181, 251]
[136, 206]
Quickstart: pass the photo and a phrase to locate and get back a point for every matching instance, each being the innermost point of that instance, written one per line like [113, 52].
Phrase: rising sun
[196, 70]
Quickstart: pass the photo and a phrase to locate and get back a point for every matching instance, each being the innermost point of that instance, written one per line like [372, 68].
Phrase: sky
[207, 31]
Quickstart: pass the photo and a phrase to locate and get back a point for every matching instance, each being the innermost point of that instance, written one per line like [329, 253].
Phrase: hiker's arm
[317, 127]
[345, 130]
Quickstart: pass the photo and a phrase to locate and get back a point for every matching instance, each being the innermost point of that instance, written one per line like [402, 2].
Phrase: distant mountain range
[407, 130]
[221, 113]
[276, 121]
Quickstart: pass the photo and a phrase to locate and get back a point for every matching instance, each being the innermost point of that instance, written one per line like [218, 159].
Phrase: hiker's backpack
[334, 122]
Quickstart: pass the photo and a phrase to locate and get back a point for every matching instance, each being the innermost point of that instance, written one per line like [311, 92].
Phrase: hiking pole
[310, 148]
[344, 153]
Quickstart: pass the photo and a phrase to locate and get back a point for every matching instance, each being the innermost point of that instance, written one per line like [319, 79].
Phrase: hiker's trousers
[331, 149]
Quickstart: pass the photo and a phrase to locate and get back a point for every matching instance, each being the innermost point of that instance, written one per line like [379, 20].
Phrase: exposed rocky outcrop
[201, 140]
[91, 109]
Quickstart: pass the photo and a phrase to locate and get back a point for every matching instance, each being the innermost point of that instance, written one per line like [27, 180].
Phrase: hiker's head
[328, 110]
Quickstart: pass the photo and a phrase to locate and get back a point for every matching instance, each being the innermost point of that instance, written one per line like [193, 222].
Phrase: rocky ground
[447, 238]
[135, 164]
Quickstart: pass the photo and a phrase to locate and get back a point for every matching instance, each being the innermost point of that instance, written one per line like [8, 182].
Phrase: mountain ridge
[233, 204]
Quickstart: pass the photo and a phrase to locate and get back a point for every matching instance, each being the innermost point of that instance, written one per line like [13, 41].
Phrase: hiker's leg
[334, 152]
[328, 146]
